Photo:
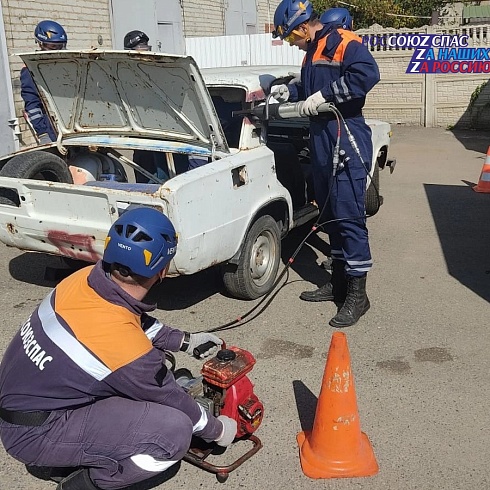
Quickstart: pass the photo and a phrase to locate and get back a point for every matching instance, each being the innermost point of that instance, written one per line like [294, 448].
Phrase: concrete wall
[426, 100]
[86, 23]
[430, 100]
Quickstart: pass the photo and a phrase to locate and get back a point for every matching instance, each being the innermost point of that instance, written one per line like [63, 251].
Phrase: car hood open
[126, 93]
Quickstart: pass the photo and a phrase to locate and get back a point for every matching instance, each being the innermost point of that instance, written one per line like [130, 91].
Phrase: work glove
[296, 77]
[44, 139]
[280, 93]
[198, 339]
[229, 431]
[311, 104]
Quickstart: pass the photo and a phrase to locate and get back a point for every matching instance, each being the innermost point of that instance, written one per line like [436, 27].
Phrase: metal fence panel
[254, 49]
[267, 51]
[217, 51]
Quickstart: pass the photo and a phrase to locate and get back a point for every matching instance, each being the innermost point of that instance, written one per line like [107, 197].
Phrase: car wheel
[256, 271]
[36, 165]
[373, 199]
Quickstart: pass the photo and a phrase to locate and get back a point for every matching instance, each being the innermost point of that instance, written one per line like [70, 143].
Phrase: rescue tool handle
[201, 349]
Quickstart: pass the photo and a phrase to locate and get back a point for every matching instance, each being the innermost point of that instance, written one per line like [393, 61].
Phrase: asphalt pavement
[419, 356]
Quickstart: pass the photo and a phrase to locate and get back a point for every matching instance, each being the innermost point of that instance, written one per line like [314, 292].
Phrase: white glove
[198, 339]
[44, 139]
[296, 77]
[311, 104]
[280, 93]
[229, 431]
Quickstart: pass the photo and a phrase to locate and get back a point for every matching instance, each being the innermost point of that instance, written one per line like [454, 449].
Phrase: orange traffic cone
[484, 182]
[336, 447]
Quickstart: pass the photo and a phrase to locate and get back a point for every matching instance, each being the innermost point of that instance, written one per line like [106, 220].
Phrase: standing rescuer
[84, 382]
[49, 36]
[339, 69]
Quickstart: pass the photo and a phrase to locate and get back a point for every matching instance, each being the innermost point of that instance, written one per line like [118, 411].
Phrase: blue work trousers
[342, 197]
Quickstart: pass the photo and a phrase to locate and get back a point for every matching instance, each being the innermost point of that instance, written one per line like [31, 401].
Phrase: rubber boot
[80, 480]
[355, 305]
[334, 290]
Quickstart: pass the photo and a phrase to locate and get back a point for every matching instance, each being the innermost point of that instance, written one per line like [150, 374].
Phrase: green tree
[388, 13]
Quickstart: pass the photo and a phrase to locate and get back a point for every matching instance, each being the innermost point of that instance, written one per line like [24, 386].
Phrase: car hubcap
[262, 258]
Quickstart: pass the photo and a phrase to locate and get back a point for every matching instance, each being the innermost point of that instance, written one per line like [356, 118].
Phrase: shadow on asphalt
[38, 269]
[472, 139]
[176, 293]
[306, 262]
[306, 403]
[462, 219]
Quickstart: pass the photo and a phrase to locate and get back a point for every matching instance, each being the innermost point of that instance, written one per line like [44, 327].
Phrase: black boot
[334, 290]
[50, 472]
[355, 305]
[80, 480]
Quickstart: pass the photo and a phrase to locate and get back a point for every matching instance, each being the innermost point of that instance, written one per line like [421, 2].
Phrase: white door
[160, 20]
[170, 38]
[131, 15]
[9, 141]
[241, 17]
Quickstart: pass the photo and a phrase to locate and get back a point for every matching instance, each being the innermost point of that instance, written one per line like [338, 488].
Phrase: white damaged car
[254, 187]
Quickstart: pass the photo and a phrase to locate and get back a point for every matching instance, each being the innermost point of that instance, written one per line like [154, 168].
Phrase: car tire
[257, 267]
[373, 199]
[36, 165]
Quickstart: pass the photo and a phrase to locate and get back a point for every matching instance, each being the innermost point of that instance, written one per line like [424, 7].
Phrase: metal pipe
[115, 154]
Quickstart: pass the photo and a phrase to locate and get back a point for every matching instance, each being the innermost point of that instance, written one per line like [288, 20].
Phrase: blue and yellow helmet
[142, 240]
[289, 15]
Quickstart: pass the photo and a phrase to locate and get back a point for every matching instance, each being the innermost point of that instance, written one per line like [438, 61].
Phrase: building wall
[207, 17]
[204, 18]
[83, 21]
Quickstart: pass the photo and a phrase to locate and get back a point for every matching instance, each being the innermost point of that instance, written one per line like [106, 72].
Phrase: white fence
[245, 50]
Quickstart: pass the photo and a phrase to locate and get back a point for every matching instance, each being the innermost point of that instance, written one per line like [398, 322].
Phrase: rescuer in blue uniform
[50, 36]
[339, 69]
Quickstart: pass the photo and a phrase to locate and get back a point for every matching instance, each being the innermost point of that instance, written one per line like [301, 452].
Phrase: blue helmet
[49, 31]
[143, 240]
[289, 15]
[337, 17]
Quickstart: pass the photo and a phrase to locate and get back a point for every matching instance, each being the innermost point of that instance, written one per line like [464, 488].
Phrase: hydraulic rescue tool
[223, 388]
[288, 110]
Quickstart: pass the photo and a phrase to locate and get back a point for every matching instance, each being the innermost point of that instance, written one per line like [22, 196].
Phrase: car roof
[253, 79]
